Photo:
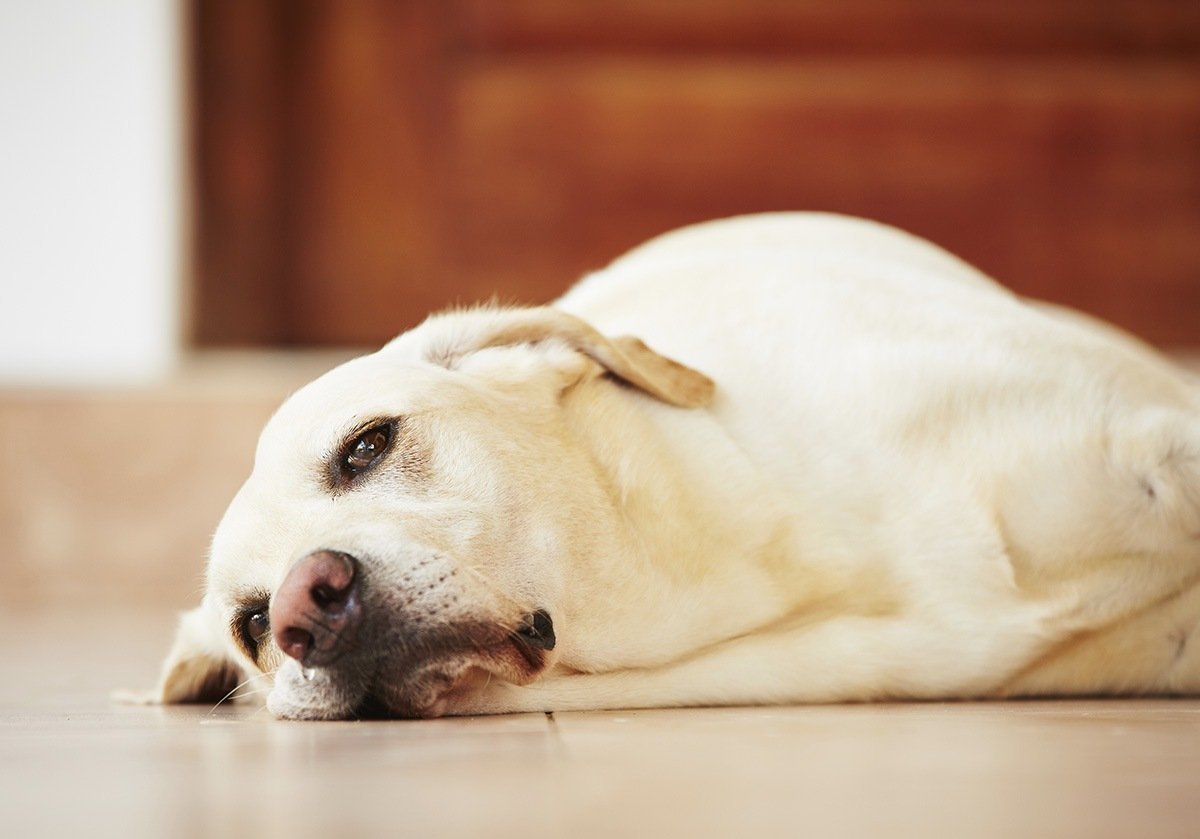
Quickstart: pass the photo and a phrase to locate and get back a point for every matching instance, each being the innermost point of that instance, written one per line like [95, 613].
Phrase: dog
[782, 458]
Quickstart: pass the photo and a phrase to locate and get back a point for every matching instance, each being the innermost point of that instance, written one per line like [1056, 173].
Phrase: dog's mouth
[434, 691]
[534, 637]
[417, 677]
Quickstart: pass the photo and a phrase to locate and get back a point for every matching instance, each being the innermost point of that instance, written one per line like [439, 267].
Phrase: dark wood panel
[1106, 27]
[360, 164]
[1069, 181]
[366, 237]
[320, 178]
[238, 80]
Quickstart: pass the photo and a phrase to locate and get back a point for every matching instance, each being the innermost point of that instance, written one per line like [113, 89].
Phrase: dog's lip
[435, 686]
[413, 696]
[533, 654]
[399, 684]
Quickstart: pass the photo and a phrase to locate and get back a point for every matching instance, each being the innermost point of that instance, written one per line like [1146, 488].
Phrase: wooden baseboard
[109, 497]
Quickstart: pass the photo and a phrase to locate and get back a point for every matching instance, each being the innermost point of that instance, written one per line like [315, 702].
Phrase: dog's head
[416, 519]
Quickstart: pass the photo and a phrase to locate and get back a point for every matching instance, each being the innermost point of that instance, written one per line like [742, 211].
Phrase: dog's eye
[255, 626]
[366, 450]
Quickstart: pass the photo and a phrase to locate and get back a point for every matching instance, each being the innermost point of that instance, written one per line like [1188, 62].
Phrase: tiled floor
[72, 764]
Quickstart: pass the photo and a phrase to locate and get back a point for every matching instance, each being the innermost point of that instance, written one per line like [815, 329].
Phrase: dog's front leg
[844, 659]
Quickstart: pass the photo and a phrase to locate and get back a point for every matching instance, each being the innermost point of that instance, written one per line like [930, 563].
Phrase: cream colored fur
[907, 483]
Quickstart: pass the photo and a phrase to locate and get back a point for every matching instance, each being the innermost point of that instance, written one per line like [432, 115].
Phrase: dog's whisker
[236, 688]
[228, 695]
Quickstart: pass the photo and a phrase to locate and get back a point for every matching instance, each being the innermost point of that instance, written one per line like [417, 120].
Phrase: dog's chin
[315, 694]
[436, 688]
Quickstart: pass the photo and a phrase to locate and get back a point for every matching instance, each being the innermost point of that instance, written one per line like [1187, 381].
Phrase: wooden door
[361, 163]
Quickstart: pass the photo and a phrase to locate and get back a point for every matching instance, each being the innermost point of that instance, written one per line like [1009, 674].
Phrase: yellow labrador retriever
[778, 458]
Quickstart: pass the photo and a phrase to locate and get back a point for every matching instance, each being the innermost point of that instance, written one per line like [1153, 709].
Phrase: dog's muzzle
[353, 659]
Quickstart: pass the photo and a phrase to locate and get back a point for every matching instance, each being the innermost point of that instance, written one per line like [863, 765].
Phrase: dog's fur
[906, 483]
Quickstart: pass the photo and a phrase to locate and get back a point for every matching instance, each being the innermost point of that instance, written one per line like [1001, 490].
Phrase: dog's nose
[316, 611]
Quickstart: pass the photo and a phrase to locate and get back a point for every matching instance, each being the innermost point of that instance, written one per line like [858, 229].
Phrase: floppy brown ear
[626, 358]
[197, 669]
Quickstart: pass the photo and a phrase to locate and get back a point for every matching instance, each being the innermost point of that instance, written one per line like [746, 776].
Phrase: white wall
[91, 209]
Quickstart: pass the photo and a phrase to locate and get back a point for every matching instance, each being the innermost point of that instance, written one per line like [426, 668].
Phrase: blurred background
[268, 173]
[204, 202]
[357, 164]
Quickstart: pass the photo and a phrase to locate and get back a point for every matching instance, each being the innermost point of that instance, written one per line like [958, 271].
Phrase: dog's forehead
[283, 509]
[271, 515]
[376, 386]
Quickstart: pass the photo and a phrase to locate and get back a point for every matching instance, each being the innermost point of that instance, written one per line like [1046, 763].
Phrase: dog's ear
[450, 337]
[198, 668]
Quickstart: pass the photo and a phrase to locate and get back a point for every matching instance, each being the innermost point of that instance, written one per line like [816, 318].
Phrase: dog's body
[908, 483]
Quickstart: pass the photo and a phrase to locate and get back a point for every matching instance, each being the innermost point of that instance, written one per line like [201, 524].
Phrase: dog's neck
[704, 554]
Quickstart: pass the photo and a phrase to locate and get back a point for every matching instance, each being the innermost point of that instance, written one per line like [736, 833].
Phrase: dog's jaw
[315, 694]
[434, 690]
[435, 687]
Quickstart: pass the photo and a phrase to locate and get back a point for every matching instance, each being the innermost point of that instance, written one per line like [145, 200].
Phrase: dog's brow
[257, 598]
